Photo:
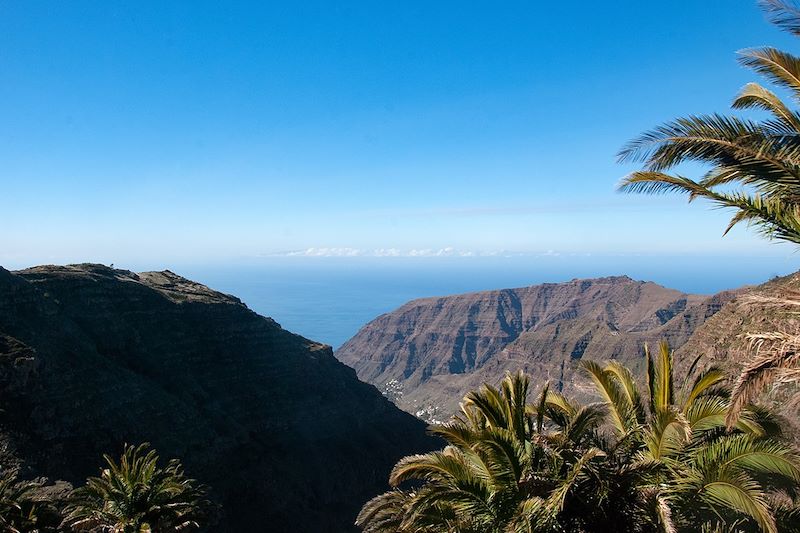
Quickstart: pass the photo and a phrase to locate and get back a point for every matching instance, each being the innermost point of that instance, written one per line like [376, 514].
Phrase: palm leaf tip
[785, 14]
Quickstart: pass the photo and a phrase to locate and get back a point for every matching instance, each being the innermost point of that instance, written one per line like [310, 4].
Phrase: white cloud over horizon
[448, 251]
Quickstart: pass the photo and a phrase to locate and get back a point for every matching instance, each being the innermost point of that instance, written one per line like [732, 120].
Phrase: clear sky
[154, 132]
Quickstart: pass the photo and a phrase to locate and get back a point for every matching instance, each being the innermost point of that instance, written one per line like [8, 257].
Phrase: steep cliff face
[428, 353]
[91, 358]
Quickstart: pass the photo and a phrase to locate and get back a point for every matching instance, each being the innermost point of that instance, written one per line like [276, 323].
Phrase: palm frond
[718, 140]
[777, 359]
[384, 513]
[781, 68]
[754, 96]
[136, 490]
[667, 432]
[613, 394]
[704, 383]
[785, 14]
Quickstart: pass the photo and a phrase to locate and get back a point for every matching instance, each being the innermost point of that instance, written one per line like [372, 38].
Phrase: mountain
[92, 358]
[428, 353]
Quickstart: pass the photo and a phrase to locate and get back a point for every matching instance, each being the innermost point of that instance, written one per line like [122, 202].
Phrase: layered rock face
[92, 357]
[428, 353]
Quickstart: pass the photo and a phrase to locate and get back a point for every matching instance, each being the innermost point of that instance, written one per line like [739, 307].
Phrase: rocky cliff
[92, 357]
[428, 353]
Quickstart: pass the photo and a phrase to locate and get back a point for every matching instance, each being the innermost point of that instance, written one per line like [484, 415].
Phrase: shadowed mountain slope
[428, 353]
[92, 357]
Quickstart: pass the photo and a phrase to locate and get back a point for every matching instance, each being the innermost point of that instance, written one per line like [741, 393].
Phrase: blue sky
[159, 132]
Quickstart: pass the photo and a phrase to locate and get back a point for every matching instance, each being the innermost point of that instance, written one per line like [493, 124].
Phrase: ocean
[329, 299]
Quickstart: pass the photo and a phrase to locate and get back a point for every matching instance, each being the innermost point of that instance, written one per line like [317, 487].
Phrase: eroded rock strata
[428, 353]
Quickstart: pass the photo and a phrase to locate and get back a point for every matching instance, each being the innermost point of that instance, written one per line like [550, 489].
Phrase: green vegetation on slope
[632, 462]
[18, 510]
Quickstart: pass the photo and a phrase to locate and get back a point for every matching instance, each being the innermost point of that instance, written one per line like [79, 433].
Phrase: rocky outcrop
[92, 357]
[428, 353]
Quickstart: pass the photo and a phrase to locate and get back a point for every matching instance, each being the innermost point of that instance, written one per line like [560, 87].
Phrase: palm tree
[471, 485]
[663, 461]
[136, 495]
[760, 160]
[702, 473]
[515, 467]
[17, 508]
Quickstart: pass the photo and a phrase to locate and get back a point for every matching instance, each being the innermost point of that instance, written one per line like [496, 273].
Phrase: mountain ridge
[429, 352]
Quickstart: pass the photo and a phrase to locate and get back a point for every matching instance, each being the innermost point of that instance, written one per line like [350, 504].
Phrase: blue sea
[329, 299]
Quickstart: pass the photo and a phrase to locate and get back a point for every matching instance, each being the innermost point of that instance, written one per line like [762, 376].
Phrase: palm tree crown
[755, 165]
[137, 495]
[776, 354]
[632, 462]
[701, 473]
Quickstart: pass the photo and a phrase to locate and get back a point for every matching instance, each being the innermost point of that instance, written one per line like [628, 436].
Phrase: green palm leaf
[760, 160]
[136, 494]
[559, 465]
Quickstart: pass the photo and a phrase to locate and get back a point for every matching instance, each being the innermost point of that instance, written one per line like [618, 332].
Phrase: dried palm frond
[776, 358]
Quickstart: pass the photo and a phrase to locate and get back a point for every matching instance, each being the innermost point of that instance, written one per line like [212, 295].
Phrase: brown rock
[430, 352]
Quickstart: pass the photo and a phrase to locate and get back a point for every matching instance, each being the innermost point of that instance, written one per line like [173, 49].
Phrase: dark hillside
[92, 357]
